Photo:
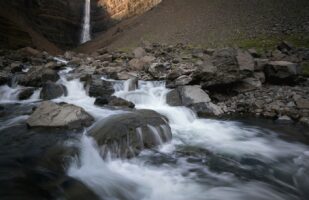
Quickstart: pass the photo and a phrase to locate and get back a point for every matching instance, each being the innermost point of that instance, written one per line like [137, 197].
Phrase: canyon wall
[60, 21]
[120, 9]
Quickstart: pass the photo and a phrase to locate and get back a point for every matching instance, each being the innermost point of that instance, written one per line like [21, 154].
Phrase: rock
[50, 75]
[100, 88]
[186, 96]
[126, 135]
[101, 101]
[52, 90]
[4, 77]
[105, 57]
[183, 80]
[260, 76]
[253, 52]
[119, 102]
[254, 82]
[28, 51]
[33, 78]
[207, 109]
[260, 63]
[245, 61]
[131, 84]
[158, 71]
[302, 103]
[281, 72]
[52, 115]
[284, 47]
[139, 52]
[304, 120]
[284, 119]
[16, 67]
[137, 64]
[174, 74]
[26, 93]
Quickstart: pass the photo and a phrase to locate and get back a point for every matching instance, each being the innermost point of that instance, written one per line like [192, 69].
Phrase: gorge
[93, 107]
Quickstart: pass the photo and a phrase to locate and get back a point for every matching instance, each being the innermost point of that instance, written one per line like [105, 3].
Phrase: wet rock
[186, 96]
[33, 77]
[26, 93]
[50, 75]
[101, 101]
[126, 135]
[4, 77]
[281, 72]
[183, 80]
[100, 88]
[284, 119]
[207, 109]
[52, 115]
[131, 84]
[304, 120]
[119, 102]
[52, 90]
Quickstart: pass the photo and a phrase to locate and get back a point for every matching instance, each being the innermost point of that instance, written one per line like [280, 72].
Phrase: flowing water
[207, 159]
[86, 35]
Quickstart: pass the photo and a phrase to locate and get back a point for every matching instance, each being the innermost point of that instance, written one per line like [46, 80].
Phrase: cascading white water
[178, 181]
[86, 35]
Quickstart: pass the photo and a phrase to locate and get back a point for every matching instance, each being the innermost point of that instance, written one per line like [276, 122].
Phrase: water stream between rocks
[207, 159]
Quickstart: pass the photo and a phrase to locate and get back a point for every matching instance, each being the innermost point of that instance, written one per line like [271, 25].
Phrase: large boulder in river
[282, 72]
[126, 135]
[195, 98]
[52, 115]
[52, 90]
[100, 88]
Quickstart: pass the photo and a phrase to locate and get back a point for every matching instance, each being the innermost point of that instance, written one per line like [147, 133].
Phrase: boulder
[100, 88]
[245, 61]
[139, 52]
[137, 64]
[52, 90]
[282, 72]
[158, 71]
[52, 115]
[260, 63]
[33, 77]
[302, 103]
[226, 66]
[126, 135]
[4, 77]
[119, 102]
[26, 93]
[207, 109]
[131, 84]
[50, 75]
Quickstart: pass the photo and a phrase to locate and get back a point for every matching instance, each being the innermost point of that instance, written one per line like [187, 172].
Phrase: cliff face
[60, 21]
[120, 9]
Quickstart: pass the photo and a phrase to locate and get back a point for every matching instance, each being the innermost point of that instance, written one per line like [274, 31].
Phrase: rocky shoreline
[213, 82]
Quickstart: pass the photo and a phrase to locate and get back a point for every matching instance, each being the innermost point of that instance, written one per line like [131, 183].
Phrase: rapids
[207, 159]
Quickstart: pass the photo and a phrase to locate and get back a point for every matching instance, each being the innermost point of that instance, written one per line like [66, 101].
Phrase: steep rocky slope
[208, 22]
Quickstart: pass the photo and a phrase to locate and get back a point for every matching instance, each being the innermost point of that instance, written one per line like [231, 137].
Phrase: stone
[282, 72]
[119, 102]
[284, 119]
[100, 88]
[302, 103]
[131, 84]
[174, 75]
[52, 90]
[183, 80]
[105, 57]
[137, 64]
[139, 52]
[4, 77]
[50, 75]
[158, 71]
[207, 109]
[126, 135]
[29, 51]
[260, 63]
[245, 61]
[51, 115]
[284, 47]
[26, 93]
[186, 96]
[304, 120]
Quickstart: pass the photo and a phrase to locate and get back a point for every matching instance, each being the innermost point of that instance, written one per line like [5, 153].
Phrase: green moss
[270, 42]
[305, 69]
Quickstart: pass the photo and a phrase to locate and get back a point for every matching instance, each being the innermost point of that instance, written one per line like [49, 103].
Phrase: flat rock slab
[50, 114]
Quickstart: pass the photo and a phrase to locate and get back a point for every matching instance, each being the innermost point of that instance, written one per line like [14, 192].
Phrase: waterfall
[86, 23]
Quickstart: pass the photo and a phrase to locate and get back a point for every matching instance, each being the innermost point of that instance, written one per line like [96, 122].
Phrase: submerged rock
[49, 114]
[26, 93]
[126, 135]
